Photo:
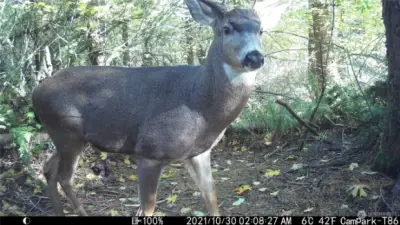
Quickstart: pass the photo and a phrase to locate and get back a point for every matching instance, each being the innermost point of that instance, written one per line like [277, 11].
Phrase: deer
[158, 114]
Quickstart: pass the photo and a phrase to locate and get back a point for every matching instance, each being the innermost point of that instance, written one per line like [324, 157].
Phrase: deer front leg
[148, 176]
[199, 168]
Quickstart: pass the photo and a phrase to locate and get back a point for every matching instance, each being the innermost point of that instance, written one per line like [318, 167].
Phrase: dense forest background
[325, 61]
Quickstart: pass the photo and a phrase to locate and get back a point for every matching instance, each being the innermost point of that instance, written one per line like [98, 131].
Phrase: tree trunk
[318, 42]
[189, 43]
[125, 37]
[388, 157]
[96, 42]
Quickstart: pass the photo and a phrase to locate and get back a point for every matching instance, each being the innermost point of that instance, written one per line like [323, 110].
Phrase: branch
[301, 121]
[286, 50]
[273, 93]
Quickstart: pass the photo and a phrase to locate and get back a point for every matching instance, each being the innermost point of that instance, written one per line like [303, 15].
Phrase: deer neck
[222, 92]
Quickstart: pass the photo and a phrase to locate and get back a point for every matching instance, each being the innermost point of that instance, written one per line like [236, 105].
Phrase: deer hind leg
[50, 171]
[60, 168]
[199, 168]
[68, 164]
[148, 176]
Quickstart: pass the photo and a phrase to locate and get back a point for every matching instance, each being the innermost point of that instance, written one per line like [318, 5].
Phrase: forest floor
[253, 177]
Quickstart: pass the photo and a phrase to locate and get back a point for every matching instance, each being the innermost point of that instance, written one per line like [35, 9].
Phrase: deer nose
[254, 60]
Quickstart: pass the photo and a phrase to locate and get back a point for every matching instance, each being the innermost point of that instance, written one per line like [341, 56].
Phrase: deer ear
[204, 11]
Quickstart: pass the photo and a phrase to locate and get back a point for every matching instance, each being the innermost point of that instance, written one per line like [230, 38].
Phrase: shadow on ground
[252, 178]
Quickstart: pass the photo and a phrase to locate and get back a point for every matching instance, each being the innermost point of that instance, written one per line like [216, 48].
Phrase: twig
[36, 207]
[359, 71]
[276, 150]
[273, 152]
[301, 121]
[333, 123]
[103, 209]
[273, 93]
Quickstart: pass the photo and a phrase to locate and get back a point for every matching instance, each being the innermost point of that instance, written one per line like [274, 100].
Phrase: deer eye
[227, 30]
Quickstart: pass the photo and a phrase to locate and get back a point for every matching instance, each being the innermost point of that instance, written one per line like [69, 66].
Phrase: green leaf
[92, 11]
[83, 7]
[239, 201]
[47, 8]
[30, 115]
[40, 4]
[198, 213]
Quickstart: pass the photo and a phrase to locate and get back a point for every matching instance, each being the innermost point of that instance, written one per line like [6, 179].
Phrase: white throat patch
[245, 78]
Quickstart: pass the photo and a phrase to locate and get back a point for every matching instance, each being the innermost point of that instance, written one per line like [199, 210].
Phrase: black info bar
[201, 220]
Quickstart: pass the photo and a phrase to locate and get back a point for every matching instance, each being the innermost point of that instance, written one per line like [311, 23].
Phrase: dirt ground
[253, 177]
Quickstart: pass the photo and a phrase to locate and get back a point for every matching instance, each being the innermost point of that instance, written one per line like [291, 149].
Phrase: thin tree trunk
[189, 43]
[125, 37]
[318, 41]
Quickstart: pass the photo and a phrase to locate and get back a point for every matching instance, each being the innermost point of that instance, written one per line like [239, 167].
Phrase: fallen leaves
[300, 178]
[267, 140]
[353, 166]
[103, 155]
[271, 173]
[357, 190]
[114, 212]
[129, 199]
[185, 210]
[274, 193]
[297, 166]
[132, 177]
[309, 209]
[199, 213]
[91, 176]
[171, 198]
[196, 194]
[291, 157]
[170, 173]
[242, 189]
[126, 160]
[286, 213]
[81, 162]
[37, 190]
[262, 189]
[160, 214]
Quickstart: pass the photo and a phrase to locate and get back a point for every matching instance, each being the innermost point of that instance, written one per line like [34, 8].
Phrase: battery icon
[135, 220]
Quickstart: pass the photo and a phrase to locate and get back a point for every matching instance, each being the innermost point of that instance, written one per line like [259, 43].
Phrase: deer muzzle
[253, 60]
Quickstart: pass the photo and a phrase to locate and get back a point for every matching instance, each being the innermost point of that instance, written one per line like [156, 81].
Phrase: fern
[22, 139]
